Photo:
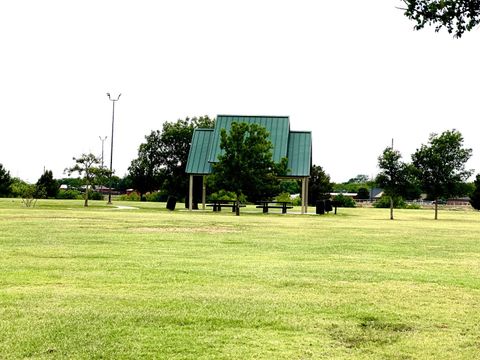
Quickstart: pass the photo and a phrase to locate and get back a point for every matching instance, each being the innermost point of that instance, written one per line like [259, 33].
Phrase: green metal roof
[277, 126]
[197, 162]
[295, 145]
[299, 153]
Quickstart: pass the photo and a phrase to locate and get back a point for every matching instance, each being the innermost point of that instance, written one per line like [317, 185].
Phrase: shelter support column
[303, 196]
[306, 195]
[204, 192]
[190, 193]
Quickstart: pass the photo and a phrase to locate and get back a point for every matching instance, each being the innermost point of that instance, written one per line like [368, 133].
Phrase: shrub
[18, 187]
[344, 201]
[130, 197]
[157, 196]
[297, 201]
[95, 195]
[223, 195]
[413, 206]
[284, 196]
[384, 202]
[69, 194]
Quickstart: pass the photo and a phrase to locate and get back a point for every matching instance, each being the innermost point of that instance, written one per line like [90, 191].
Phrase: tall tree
[475, 196]
[246, 166]
[457, 16]
[48, 183]
[88, 166]
[5, 181]
[320, 186]
[142, 177]
[162, 158]
[441, 165]
[394, 175]
[359, 179]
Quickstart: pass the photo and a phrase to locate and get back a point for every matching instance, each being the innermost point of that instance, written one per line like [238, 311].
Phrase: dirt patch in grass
[369, 331]
[204, 230]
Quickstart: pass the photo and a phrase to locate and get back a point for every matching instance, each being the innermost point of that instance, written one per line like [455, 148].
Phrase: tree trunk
[86, 196]
[86, 190]
[391, 207]
[237, 207]
[436, 209]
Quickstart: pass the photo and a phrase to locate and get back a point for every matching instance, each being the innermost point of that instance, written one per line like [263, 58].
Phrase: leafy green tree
[73, 183]
[162, 158]
[343, 201]
[88, 166]
[394, 176]
[475, 196]
[290, 186]
[354, 184]
[5, 182]
[457, 16]
[385, 202]
[142, 177]
[18, 187]
[441, 165]
[363, 194]
[31, 193]
[359, 179]
[319, 186]
[49, 184]
[246, 166]
[122, 183]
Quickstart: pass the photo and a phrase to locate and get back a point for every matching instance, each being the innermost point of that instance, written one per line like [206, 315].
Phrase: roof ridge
[255, 116]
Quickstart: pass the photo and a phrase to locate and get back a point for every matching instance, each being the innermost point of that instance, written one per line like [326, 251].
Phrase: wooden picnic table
[273, 204]
[218, 204]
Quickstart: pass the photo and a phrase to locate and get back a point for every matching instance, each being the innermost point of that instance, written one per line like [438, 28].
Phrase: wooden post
[190, 193]
[204, 192]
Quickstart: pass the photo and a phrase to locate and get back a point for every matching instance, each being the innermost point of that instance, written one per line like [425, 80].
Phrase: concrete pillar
[204, 192]
[190, 193]
[303, 195]
[306, 195]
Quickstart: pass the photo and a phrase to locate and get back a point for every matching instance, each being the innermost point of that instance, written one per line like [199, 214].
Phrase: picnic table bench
[265, 205]
[218, 204]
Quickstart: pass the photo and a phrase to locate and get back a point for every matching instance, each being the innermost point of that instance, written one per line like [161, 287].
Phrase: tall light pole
[102, 140]
[111, 144]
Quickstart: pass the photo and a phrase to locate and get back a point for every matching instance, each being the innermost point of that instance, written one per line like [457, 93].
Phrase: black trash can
[328, 205]
[320, 207]
[171, 202]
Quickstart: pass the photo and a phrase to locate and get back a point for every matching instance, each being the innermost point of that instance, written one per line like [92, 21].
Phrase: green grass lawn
[148, 283]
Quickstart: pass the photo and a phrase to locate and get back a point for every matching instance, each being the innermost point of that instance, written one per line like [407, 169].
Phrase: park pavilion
[296, 146]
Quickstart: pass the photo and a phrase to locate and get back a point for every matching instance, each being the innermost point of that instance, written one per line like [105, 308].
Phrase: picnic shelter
[296, 146]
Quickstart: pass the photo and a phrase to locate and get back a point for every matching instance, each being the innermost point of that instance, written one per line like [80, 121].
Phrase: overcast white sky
[353, 72]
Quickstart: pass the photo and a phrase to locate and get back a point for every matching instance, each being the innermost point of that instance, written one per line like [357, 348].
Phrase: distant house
[376, 193]
[294, 145]
[346, 194]
[460, 201]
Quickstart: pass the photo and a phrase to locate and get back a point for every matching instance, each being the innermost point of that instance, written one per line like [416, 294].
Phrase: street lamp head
[110, 97]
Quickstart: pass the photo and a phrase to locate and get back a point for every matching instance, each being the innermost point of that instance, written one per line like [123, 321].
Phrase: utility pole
[111, 144]
[102, 140]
